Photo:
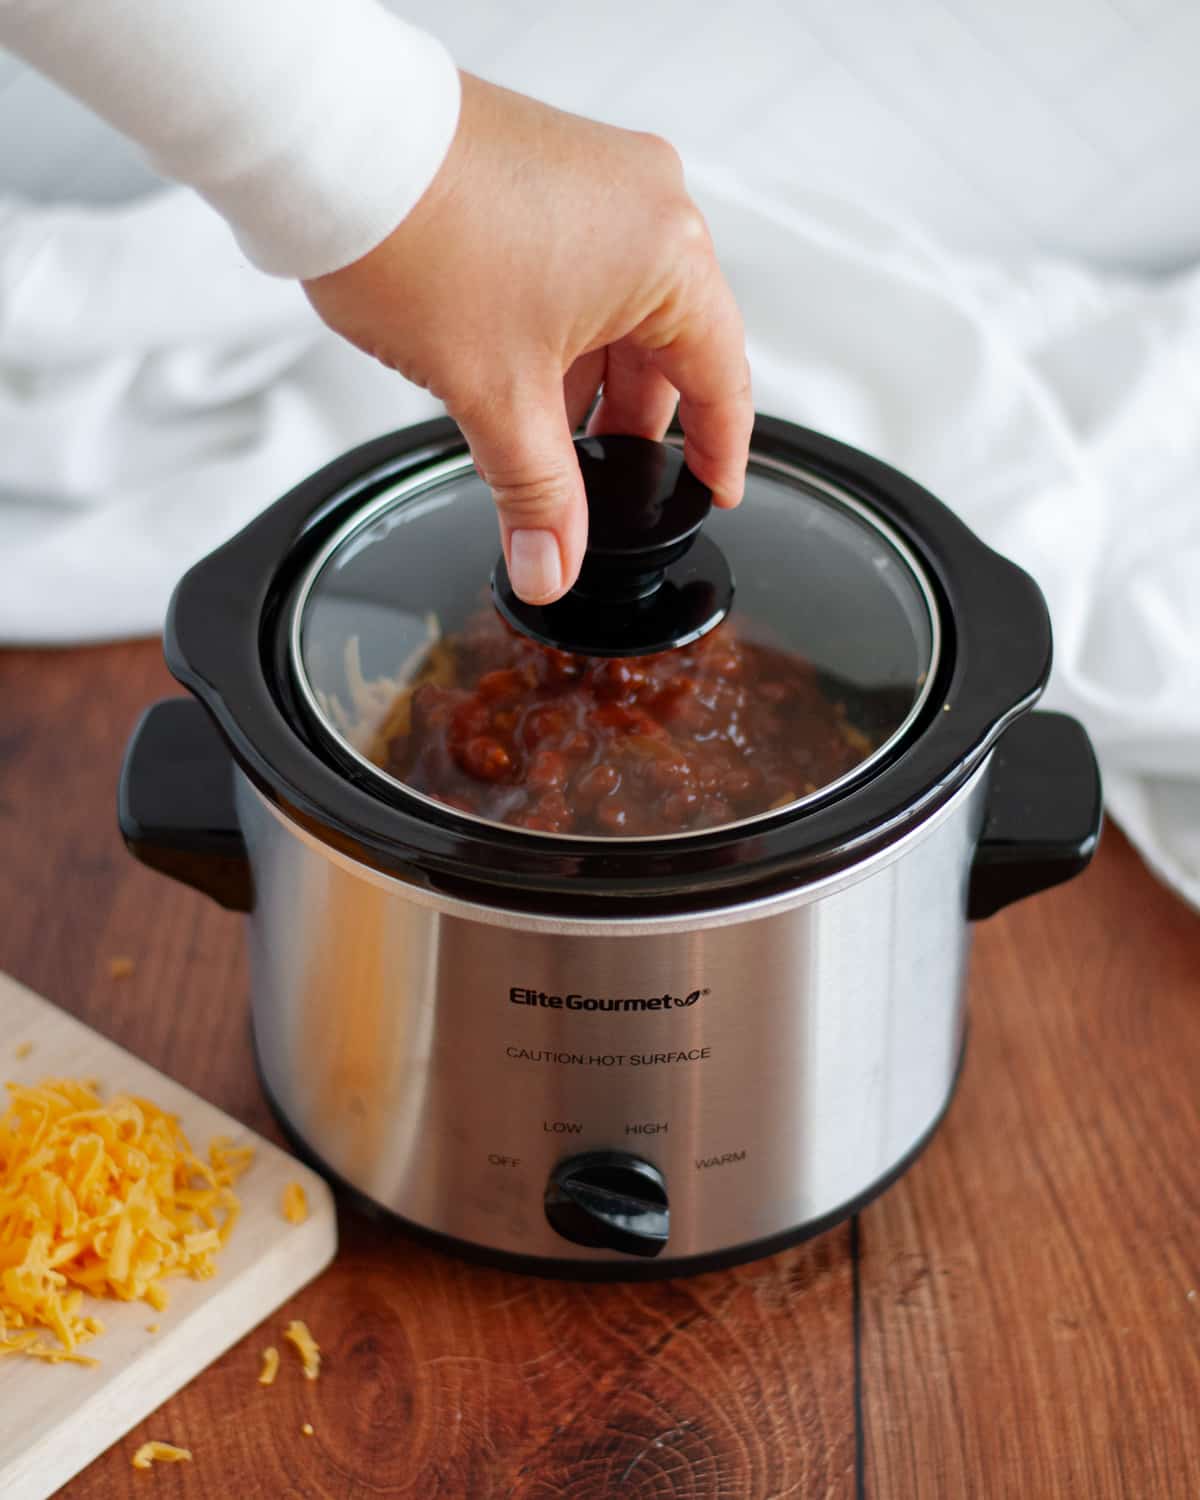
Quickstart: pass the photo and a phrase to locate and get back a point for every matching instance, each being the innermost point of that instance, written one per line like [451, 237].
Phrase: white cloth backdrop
[155, 393]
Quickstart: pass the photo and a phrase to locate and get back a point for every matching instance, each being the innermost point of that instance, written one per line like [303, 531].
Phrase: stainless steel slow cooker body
[607, 1058]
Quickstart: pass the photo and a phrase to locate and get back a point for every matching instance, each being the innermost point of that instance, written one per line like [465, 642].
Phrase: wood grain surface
[1027, 1327]
[1011, 1319]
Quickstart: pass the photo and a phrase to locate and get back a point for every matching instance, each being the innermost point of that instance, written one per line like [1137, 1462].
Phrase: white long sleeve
[312, 126]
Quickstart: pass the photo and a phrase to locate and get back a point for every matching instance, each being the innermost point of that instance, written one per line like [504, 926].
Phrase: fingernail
[534, 565]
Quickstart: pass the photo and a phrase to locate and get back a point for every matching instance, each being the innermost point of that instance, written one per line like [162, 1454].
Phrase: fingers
[706, 362]
[637, 399]
[580, 384]
[521, 443]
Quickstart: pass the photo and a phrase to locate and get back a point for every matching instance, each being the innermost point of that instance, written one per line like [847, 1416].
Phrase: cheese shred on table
[160, 1453]
[107, 1199]
[306, 1346]
[270, 1366]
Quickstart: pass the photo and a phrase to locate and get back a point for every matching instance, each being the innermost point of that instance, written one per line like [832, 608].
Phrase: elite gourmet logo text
[519, 996]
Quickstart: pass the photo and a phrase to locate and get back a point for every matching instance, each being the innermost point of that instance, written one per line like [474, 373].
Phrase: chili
[694, 738]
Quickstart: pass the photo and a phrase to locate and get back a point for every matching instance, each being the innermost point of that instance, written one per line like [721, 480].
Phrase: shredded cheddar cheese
[120, 968]
[23, 1050]
[108, 1200]
[302, 1341]
[160, 1453]
[270, 1366]
[295, 1204]
[307, 1429]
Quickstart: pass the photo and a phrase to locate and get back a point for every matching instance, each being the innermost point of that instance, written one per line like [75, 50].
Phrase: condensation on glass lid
[371, 701]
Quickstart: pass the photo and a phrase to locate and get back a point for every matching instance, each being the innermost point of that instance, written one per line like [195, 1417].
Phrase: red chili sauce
[690, 739]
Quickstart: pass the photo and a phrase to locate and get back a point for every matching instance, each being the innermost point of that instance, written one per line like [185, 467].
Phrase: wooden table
[1017, 1317]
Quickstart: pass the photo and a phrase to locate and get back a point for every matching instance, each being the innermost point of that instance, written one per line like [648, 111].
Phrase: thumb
[522, 447]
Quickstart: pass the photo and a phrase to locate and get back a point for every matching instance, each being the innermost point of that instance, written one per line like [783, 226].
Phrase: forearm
[312, 126]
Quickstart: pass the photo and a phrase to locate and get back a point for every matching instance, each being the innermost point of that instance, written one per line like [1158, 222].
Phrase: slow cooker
[626, 936]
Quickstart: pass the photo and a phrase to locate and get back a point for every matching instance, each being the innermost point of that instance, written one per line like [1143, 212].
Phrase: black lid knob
[649, 581]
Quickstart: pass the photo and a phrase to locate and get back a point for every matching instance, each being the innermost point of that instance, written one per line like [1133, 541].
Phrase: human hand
[553, 256]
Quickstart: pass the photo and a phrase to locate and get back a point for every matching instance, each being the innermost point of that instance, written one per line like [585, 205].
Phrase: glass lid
[821, 664]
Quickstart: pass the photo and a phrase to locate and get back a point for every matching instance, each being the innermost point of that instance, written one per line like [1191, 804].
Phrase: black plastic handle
[175, 804]
[1043, 815]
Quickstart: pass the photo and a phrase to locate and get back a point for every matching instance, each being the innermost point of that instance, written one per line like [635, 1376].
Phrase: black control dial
[609, 1200]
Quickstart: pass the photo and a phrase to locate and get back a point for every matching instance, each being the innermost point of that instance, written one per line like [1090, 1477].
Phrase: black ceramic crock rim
[227, 641]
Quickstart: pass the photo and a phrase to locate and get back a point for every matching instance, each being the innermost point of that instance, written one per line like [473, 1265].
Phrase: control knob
[609, 1200]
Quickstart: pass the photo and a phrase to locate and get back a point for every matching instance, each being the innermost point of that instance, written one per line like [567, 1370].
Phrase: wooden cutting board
[54, 1419]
